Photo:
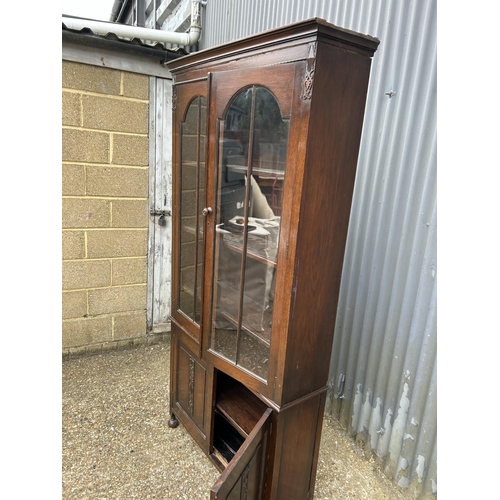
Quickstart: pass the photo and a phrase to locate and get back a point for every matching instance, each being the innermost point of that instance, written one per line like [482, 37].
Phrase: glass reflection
[252, 157]
[192, 200]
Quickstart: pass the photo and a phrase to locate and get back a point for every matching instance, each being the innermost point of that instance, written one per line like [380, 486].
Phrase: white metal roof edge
[133, 56]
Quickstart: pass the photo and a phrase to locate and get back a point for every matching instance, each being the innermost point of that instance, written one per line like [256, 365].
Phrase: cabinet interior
[237, 411]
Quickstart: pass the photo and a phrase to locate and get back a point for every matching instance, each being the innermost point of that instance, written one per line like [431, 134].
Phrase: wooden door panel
[244, 477]
[279, 80]
[191, 387]
[191, 380]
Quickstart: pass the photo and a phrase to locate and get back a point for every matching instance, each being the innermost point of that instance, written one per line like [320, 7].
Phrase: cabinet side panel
[299, 429]
[337, 110]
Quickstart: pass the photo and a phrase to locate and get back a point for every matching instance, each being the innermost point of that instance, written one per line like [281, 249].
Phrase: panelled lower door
[244, 477]
[190, 383]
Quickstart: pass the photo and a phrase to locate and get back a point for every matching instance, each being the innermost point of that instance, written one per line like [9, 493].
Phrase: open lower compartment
[237, 411]
[227, 440]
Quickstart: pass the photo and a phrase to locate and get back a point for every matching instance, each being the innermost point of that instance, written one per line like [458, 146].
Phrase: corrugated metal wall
[383, 372]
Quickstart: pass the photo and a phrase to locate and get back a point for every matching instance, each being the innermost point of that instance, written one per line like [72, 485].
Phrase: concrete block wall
[104, 207]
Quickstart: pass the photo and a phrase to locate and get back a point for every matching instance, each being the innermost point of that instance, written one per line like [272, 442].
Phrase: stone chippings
[116, 444]
[116, 441]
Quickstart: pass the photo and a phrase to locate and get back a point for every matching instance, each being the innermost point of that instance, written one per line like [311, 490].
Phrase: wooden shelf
[264, 337]
[227, 438]
[261, 172]
[189, 290]
[252, 255]
[192, 230]
[239, 406]
[258, 319]
[192, 163]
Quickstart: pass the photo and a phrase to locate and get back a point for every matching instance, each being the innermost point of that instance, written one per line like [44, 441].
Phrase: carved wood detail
[191, 386]
[308, 80]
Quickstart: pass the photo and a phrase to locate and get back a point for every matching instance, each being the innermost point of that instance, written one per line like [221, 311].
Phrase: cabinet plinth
[265, 146]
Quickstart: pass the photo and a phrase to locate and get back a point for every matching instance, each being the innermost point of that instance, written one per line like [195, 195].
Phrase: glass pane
[192, 199]
[201, 204]
[252, 157]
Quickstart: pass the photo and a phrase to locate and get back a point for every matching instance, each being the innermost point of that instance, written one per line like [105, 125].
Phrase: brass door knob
[206, 211]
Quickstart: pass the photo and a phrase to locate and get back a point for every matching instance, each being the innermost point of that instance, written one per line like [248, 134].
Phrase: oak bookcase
[266, 135]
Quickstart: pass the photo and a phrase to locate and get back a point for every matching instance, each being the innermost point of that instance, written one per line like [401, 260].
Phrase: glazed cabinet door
[190, 375]
[250, 117]
[190, 128]
[244, 477]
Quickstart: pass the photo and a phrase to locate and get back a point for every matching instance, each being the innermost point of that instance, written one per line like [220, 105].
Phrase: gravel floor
[116, 444]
